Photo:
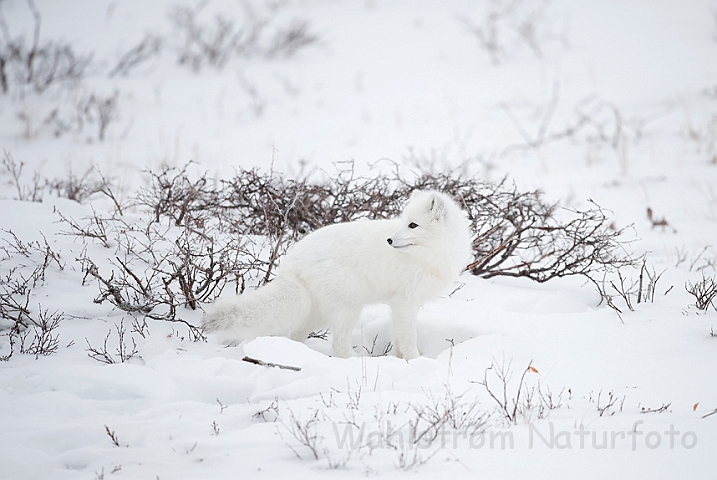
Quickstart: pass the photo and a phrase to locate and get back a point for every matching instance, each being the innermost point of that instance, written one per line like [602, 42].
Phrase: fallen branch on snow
[256, 361]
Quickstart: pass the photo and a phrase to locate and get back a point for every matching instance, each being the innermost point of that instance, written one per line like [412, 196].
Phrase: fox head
[422, 220]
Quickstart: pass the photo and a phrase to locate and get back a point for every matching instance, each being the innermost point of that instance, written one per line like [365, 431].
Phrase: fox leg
[343, 325]
[300, 334]
[403, 329]
[314, 321]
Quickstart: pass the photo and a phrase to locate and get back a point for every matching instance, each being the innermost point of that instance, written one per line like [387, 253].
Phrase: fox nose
[390, 242]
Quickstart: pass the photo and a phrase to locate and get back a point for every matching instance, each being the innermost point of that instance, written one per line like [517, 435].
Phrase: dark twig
[269, 364]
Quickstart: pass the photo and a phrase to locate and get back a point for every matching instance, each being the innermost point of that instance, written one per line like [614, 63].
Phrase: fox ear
[436, 206]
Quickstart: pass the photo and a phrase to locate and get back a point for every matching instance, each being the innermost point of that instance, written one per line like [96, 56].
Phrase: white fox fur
[331, 274]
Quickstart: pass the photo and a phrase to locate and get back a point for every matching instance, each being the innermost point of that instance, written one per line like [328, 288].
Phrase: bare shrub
[289, 40]
[607, 406]
[87, 109]
[40, 338]
[408, 460]
[29, 193]
[487, 33]
[588, 111]
[141, 295]
[263, 204]
[157, 269]
[23, 266]
[214, 43]
[270, 413]
[174, 195]
[33, 333]
[53, 63]
[123, 351]
[461, 415]
[273, 204]
[704, 291]
[517, 234]
[647, 283]
[72, 186]
[101, 110]
[150, 46]
[700, 263]
[140, 328]
[304, 431]
[525, 399]
[267, 205]
[19, 280]
[508, 24]
[202, 43]
[617, 285]
[371, 352]
[663, 408]
[509, 398]
[196, 238]
[41, 64]
[599, 124]
[95, 227]
[80, 188]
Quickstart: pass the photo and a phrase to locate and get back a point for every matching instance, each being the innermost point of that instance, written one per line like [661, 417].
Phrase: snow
[388, 82]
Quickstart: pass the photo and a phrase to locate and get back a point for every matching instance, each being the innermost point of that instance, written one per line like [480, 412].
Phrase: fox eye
[412, 225]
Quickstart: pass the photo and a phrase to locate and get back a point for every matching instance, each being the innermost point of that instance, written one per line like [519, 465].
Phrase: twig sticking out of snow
[256, 361]
[113, 436]
[704, 291]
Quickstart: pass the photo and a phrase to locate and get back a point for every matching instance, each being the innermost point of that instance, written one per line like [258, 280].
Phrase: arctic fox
[331, 274]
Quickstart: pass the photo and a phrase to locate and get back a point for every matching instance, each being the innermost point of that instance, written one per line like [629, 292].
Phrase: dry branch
[516, 233]
[41, 64]
[256, 361]
[704, 291]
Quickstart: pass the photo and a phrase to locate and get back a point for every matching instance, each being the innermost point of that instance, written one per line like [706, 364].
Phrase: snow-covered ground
[614, 101]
